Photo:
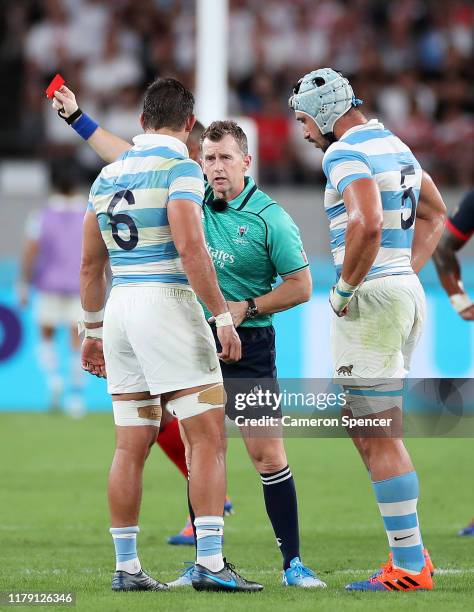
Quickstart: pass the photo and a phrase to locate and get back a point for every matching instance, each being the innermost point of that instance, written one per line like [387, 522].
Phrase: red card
[55, 84]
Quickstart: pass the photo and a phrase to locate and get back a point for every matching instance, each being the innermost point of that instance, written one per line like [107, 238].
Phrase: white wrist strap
[224, 319]
[345, 287]
[460, 301]
[93, 317]
[96, 332]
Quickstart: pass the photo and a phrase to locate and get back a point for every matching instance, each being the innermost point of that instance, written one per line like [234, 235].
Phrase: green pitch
[54, 521]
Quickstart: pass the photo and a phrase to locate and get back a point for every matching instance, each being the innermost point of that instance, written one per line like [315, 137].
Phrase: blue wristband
[85, 126]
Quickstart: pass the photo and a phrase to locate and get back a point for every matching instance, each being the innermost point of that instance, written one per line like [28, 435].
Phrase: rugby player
[169, 438]
[459, 229]
[252, 240]
[50, 264]
[144, 215]
[386, 217]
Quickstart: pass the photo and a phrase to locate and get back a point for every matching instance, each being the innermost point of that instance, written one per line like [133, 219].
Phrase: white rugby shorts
[56, 309]
[157, 339]
[377, 337]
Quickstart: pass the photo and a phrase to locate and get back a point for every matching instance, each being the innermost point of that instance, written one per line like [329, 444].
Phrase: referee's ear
[247, 161]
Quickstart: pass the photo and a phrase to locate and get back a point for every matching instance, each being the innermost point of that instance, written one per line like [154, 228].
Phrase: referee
[252, 240]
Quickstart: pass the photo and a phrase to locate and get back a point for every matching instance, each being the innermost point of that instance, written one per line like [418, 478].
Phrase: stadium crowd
[410, 60]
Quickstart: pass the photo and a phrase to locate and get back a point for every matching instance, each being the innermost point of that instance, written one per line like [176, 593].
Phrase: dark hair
[167, 104]
[197, 132]
[218, 129]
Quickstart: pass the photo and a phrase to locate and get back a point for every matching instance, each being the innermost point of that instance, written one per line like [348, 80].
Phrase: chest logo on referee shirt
[241, 232]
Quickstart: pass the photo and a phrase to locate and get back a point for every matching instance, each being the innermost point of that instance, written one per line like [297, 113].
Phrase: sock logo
[404, 537]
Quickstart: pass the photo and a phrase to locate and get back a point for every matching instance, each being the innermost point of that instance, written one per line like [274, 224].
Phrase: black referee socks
[282, 509]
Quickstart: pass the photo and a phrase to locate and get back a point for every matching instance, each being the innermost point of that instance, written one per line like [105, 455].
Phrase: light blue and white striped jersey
[130, 197]
[370, 150]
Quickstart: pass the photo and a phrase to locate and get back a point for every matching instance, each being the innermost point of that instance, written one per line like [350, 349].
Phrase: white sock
[131, 567]
[125, 542]
[49, 364]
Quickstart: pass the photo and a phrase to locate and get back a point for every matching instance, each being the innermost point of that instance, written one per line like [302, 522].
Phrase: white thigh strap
[196, 403]
[137, 412]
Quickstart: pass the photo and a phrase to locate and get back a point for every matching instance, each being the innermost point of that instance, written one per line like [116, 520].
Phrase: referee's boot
[227, 579]
[123, 581]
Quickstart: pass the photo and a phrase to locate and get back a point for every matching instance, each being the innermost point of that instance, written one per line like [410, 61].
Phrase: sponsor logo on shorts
[345, 370]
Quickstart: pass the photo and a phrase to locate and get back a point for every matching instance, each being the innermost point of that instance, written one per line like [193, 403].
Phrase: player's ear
[189, 124]
[141, 121]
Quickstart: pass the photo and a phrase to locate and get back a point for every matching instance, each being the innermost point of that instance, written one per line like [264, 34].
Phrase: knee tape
[197, 403]
[132, 413]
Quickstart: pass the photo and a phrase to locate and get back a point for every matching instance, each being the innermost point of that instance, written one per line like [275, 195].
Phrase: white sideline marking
[350, 571]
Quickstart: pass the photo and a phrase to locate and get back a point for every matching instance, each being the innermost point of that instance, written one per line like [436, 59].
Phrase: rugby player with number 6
[144, 216]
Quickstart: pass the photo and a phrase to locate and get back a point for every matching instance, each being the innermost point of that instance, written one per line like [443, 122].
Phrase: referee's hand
[230, 343]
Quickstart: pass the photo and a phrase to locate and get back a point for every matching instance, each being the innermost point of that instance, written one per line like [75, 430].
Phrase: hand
[92, 357]
[230, 342]
[64, 100]
[340, 296]
[238, 310]
[468, 313]
[338, 304]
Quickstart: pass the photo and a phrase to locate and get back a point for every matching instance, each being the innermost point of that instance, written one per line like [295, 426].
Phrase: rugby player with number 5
[386, 217]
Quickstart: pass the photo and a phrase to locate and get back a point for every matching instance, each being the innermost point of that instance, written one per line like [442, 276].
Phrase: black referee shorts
[254, 374]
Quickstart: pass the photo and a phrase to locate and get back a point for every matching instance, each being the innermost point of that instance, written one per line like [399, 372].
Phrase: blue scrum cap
[325, 95]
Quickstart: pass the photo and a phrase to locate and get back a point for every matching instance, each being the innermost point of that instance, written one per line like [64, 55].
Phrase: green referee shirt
[251, 242]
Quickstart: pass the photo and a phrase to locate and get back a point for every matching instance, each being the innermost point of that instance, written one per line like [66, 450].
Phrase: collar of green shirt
[249, 183]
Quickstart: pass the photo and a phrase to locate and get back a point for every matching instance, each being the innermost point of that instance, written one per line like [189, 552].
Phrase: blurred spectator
[274, 130]
[114, 69]
[123, 116]
[50, 264]
[410, 60]
[53, 41]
